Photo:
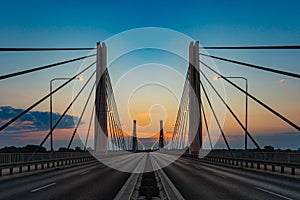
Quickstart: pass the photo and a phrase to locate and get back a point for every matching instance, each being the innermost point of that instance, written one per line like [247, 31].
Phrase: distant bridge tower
[101, 132]
[161, 135]
[194, 103]
[134, 138]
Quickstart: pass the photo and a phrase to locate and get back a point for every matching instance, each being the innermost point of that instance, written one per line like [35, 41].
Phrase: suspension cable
[115, 114]
[14, 74]
[114, 135]
[215, 116]
[230, 110]
[254, 66]
[254, 98]
[46, 49]
[81, 115]
[177, 133]
[64, 113]
[44, 98]
[88, 132]
[206, 125]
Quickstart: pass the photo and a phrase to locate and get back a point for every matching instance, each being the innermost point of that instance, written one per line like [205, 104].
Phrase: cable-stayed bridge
[184, 166]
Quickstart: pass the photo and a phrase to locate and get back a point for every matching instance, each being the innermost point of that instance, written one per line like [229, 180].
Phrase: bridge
[118, 164]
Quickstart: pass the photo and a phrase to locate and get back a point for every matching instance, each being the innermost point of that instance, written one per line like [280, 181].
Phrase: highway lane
[194, 180]
[87, 181]
[198, 180]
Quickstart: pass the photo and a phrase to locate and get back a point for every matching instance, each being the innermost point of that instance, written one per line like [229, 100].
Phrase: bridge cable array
[254, 66]
[81, 115]
[215, 117]
[179, 141]
[43, 67]
[35, 69]
[115, 128]
[65, 112]
[44, 98]
[89, 128]
[179, 138]
[115, 132]
[230, 110]
[254, 98]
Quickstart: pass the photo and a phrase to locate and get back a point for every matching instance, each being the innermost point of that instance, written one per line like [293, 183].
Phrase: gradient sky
[213, 23]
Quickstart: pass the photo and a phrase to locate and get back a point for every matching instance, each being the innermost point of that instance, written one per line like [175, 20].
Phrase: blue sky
[213, 23]
[220, 22]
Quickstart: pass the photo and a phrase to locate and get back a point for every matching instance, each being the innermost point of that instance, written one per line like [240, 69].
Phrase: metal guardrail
[289, 157]
[20, 167]
[258, 163]
[250, 163]
[6, 158]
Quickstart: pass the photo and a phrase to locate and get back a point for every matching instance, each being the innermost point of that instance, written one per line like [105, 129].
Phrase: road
[198, 180]
[193, 179]
[89, 181]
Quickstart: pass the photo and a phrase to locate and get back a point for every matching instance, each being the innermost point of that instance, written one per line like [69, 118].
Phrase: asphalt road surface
[193, 179]
[87, 181]
[198, 180]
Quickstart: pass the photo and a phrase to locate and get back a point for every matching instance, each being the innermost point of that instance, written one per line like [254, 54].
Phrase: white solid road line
[43, 187]
[84, 173]
[165, 180]
[127, 190]
[270, 192]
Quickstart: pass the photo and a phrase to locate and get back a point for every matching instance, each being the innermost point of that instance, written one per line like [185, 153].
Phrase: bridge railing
[285, 157]
[248, 163]
[274, 161]
[14, 158]
[11, 163]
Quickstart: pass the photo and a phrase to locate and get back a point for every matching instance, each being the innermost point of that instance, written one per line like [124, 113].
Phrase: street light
[51, 132]
[246, 113]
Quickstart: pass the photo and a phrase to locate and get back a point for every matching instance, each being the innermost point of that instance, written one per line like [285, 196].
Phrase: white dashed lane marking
[84, 173]
[273, 193]
[43, 187]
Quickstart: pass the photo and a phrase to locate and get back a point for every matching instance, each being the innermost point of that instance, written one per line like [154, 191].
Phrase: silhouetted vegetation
[269, 148]
[26, 149]
[64, 149]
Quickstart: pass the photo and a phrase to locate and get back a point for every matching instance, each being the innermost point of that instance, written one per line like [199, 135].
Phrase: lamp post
[51, 132]
[246, 112]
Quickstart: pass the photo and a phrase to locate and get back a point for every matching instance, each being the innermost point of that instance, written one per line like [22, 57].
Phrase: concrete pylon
[134, 138]
[161, 135]
[101, 131]
[195, 117]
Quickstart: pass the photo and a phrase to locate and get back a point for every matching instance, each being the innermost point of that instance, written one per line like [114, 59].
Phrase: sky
[213, 23]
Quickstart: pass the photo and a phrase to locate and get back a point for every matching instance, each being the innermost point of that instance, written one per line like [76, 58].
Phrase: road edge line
[174, 193]
[126, 191]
